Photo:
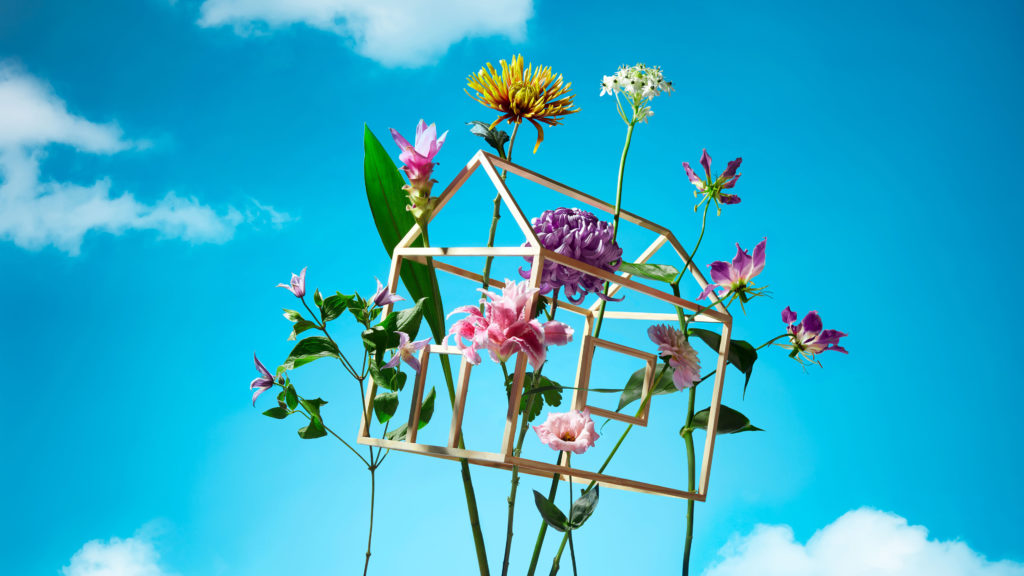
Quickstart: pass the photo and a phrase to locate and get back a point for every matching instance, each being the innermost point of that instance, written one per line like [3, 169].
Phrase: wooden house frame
[506, 459]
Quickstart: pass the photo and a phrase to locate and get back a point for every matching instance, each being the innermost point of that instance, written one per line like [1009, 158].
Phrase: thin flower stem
[322, 326]
[544, 525]
[369, 537]
[358, 455]
[572, 551]
[497, 215]
[689, 259]
[691, 480]
[615, 219]
[523, 427]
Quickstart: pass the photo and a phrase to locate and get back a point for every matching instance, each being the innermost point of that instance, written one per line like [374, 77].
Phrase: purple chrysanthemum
[577, 234]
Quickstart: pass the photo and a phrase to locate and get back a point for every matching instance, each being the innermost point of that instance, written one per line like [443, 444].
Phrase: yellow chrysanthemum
[518, 94]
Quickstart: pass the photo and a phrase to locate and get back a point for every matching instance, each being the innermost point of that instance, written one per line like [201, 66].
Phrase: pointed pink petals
[263, 383]
[297, 286]
[705, 161]
[735, 277]
[682, 357]
[557, 333]
[407, 351]
[384, 295]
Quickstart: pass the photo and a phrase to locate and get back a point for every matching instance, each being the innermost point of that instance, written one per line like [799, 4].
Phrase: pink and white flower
[505, 327]
[681, 356]
[297, 285]
[418, 158]
[568, 431]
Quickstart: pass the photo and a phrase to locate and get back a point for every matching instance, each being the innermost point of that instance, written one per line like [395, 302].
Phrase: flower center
[568, 436]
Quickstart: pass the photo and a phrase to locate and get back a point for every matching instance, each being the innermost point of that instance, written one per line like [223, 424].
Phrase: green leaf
[385, 405]
[494, 137]
[427, 408]
[550, 391]
[550, 513]
[312, 406]
[741, 354]
[318, 298]
[659, 272]
[277, 412]
[290, 397]
[315, 429]
[387, 203]
[408, 320]
[384, 335]
[729, 421]
[398, 434]
[634, 387]
[335, 306]
[583, 508]
[310, 349]
[300, 327]
[292, 315]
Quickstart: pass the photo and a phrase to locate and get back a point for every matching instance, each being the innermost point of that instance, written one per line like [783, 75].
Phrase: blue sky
[164, 164]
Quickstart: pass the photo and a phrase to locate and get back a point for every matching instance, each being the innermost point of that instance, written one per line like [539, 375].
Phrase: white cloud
[35, 212]
[133, 556]
[862, 542]
[392, 32]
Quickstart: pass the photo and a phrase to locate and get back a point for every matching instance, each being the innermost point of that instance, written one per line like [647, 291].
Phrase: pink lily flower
[384, 295]
[681, 356]
[504, 328]
[572, 430]
[407, 351]
[297, 285]
[419, 158]
[734, 278]
[808, 337]
[263, 383]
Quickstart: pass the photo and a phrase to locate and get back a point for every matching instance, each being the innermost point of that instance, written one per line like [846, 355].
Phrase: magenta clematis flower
[263, 383]
[734, 279]
[681, 356]
[572, 430]
[711, 188]
[297, 285]
[407, 351]
[808, 338]
[581, 235]
[505, 328]
[418, 159]
[384, 295]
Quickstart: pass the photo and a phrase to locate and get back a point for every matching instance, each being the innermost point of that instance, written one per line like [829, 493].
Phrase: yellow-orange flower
[533, 93]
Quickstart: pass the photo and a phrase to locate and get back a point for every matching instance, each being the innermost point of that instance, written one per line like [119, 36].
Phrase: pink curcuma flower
[418, 159]
[681, 356]
[407, 351]
[711, 187]
[735, 278]
[808, 338]
[384, 296]
[572, 430]
[298, 284]
[505, 327]
[263, 383]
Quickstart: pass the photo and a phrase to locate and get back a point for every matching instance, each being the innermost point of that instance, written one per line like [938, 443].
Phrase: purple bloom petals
[808, 338]
[705, 161]
[580, 235]
[407, 351]
[384, 295]
[263, 383]
[788, 316]
[711, 187]
[735, 278]
[297, 285]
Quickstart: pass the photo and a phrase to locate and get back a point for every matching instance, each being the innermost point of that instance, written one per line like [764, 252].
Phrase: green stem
[691, 478]
[572, 551]
[369, 538]
[523, 427]
[558, 556]
[497, 215]
[689, 259]
[544, 525]
[467, 479]
[615, 220]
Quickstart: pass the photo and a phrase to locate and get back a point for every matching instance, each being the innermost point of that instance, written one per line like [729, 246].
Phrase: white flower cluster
[639, 85]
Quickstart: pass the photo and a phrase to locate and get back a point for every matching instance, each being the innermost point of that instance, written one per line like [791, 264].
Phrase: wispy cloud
[133, 556]
[861, 542]
[36, 212]
[393, 32]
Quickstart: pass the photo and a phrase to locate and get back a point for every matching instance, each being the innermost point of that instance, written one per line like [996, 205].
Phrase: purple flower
[808, 338]
[681, 356]
[384, 295]
[419, 158]
[263, 383]
[580, 235]
[734, 278]
[711, 188]
[407, 351]
[297, 285]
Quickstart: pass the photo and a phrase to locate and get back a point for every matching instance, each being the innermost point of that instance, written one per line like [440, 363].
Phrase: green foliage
[426, 412]
[552, 516]
[729, 421]
[315, 428]
[549, 390]
[385, 405]
[741, 354]
[277, 412]
[634, 387]
[494, 137]
[584, 507]
[384, 335]
[292, 315]
[335, 306]
[300, 327]
[318, 298]
[310, 349]
[659, 272]
[291, 399]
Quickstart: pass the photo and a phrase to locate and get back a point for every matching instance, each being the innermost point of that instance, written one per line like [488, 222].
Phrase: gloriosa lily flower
[384, 296]
[263, 383]
[681, 356]
[710, 189]
[407, 351]
[297, 285]
[517, 94]
[734, 279]
[505, 328]
[807, 338]
[639, 85]
[572, 430]
[418, 163]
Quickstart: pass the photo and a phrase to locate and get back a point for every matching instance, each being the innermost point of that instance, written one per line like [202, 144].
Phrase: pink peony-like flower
[681, 356]
[505, 328]
[572, 430]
